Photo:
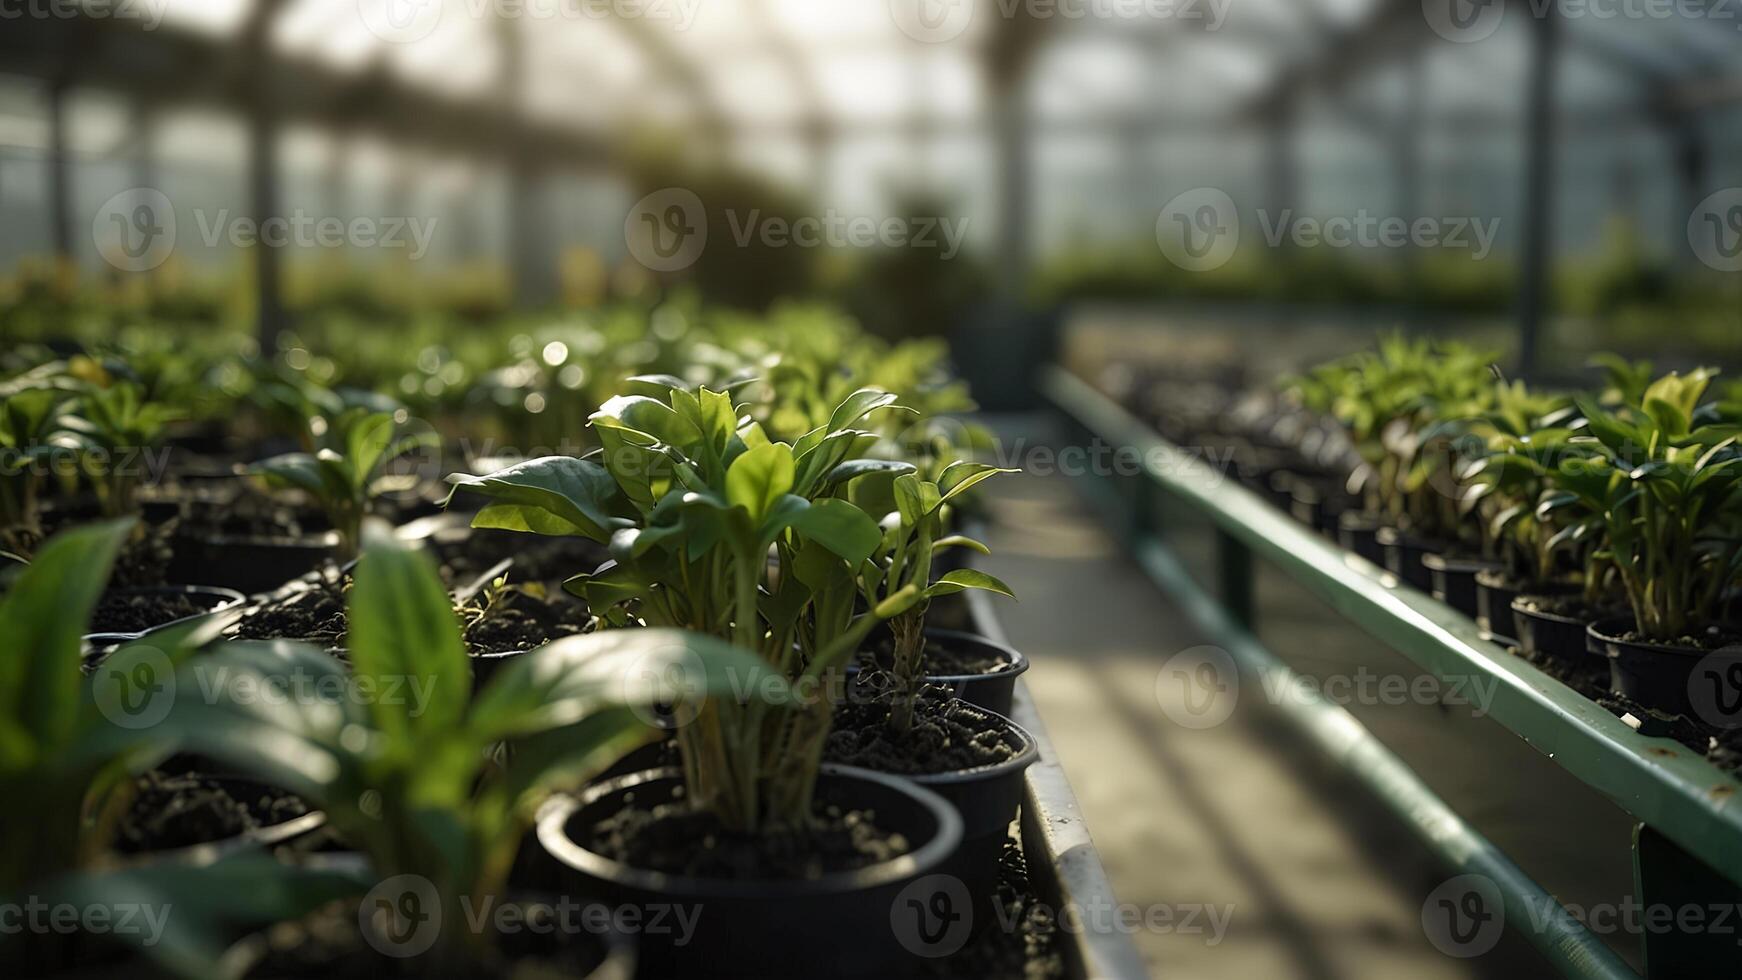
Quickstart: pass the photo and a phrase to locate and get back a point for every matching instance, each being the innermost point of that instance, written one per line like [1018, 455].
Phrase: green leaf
[853, 469]
[858, 405]
[759, 478]
[404, 637]
[959, 541]
[569, 680]
[580, 495]
[960, 477]
[841, 527]
[44, 617]
[967, 578]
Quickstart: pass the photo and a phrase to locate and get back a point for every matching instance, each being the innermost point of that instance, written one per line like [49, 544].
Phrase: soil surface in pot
[329, 943]
[1569, 606]
[947, 736]
[251, 515]
[537, 558]
[1692, 641]
[1589, 675]
[145, 558]
[312, 614]
[943, 658]
[172, 810]
[676, 839]
[519, 620]
[138, 613]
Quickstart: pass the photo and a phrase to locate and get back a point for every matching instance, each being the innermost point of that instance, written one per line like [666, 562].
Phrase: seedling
[403, 762]
[902, 565]
[715, 528]
[344, 482]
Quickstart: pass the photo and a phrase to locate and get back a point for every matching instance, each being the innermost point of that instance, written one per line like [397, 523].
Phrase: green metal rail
[1689, 843]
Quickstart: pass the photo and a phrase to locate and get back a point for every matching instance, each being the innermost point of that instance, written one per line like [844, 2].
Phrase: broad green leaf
[565, 682]
[841, 527]
[960, 477]
[403, 636]
[759, 478]
[578, 492]
[45, 615]
[967, 578]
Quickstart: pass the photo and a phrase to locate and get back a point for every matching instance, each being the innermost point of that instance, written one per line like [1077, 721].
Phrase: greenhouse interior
[1021, 489]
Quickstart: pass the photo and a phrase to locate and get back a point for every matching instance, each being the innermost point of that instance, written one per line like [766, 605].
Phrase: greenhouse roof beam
[120, 56]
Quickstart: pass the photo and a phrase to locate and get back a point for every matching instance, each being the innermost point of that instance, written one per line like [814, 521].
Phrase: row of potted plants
[1598, 531]
[687, 671]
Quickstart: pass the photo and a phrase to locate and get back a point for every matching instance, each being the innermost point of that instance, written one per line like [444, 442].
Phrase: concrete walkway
[1307, 878]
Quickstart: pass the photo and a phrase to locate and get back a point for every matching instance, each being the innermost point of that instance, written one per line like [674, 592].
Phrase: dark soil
[329, 944]
[1022, 941]
[942, 658]
[1693, 641]
[123, 613]
[185, 809]
[537, 557]
[251, 515]
[144, 560]
[1569, 606]
[312, 614]
[947, 736]
[521, 621]
[1587, 675]
[673, 838]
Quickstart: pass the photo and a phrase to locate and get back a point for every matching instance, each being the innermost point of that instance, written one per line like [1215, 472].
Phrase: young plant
[1505, 475]
[66, 744]
[902, 565]
[30, 419]
[1665, 483]
[399, 753]
[344, 482]
[715, 528]
[114, 429]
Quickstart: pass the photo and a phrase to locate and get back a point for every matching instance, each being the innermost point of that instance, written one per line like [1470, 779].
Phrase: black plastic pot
[250, 564]
[1494, 595]
[1655, 675]
[988, 799]
[1404, 554]
[996, 692]
[849, 924]
[1453, 580]
[249, 957]
[1358, 531]
[1564, 638]
[213, 600]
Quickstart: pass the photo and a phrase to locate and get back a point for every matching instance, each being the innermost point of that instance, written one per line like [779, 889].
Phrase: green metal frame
[1690, 843]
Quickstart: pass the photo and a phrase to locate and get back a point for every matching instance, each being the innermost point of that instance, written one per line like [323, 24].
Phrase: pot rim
[550, 826]
[229, 599]
[1018, 660]
[1519, 608]
[320, 539]
[209, 852]
[1027, 756]
[1607, 632]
